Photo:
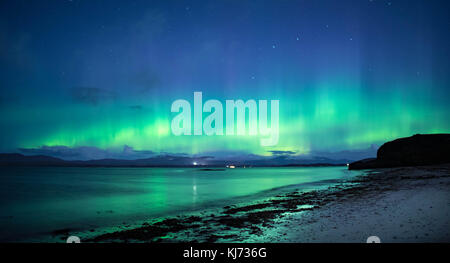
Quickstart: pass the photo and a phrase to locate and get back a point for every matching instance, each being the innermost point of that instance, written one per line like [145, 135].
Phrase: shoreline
[409, 204]
[399, 205]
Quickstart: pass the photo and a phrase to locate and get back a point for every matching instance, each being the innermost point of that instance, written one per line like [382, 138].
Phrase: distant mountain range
[16, 159]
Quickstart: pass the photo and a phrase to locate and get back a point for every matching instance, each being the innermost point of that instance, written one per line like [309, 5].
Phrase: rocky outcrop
[420, 149]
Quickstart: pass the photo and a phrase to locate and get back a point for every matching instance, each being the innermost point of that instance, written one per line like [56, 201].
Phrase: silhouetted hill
[420, 149]
[14, 159]
[20, 159]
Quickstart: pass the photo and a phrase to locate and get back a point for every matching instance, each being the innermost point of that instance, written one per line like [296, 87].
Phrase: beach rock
[420, 149]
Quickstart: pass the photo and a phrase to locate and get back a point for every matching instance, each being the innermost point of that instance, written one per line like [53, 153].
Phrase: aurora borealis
[103, 74]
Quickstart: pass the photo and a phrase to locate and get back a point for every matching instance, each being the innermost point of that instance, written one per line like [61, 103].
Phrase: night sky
[95, 79]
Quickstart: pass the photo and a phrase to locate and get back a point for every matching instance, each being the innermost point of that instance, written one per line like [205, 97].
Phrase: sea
[36, 203]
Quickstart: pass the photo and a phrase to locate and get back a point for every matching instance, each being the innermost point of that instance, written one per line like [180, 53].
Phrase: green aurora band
[327, 117]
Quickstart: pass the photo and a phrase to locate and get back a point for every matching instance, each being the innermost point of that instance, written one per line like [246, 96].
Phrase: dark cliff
[417, 150]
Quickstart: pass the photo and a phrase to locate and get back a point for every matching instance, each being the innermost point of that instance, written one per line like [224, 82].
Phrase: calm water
[36, 201]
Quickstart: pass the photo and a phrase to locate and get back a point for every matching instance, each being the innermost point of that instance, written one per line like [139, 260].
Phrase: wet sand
[410, 204]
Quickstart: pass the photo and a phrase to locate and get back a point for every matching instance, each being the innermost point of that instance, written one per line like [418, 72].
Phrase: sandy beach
[410, 204]
[397, 205]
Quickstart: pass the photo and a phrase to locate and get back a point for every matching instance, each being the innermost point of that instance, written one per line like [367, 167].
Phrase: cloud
[136, 107]
[282, 152]
[66, 153]
[91, 95]
[174, 154]
[352, 155]
[88, 152]
[130, 150]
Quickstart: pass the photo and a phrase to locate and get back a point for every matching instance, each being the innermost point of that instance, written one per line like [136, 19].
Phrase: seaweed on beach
[148, 232]
[235, 210]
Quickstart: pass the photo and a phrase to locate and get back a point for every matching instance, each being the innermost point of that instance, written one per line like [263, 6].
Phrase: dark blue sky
[104, 73]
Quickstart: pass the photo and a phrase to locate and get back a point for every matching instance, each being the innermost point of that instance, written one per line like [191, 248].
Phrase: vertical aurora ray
[345, 77]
